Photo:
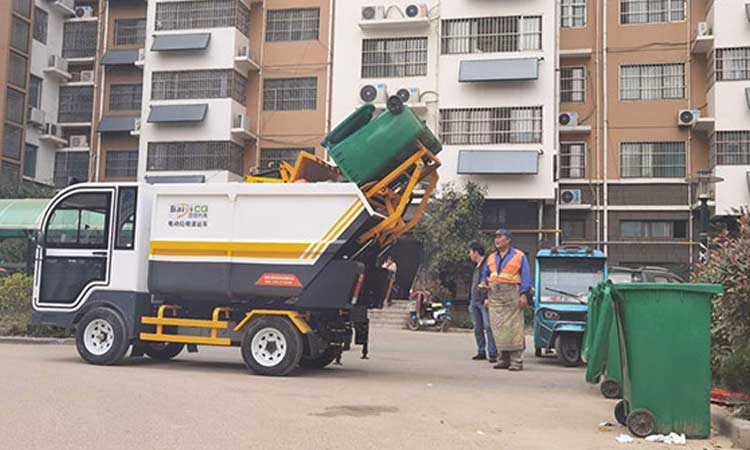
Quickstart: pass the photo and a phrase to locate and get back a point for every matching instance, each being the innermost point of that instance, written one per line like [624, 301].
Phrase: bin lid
[685, 287]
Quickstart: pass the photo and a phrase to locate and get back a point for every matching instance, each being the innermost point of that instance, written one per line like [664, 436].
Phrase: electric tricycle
[563, 278]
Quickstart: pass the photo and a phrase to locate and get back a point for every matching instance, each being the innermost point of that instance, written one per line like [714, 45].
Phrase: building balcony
[51, 134]
[216, 119]
[57, 67]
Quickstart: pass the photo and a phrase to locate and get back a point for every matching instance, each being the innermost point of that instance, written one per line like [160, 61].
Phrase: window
[730, 148]
[76, 103]
[293, 25]
[271, 158]
[19, 35]
[121, 164]
[494, 216]
[29, 161]
[651, 11]
[80, 221]
[126, 210]
[652, 82]
[573, 229]
[125, 97]
[130, 32]
[40, 24]
[491, 35]
[17, 70]
[70, 168]
[652, 159]
[35, 91]
[654, 229]
[572, 84]
[475, 126]
[22, 7]
[290, 94]
[204, 155]
[12, 141]
[199, 84]
[79, 39]
[14, 110]
[203, 14]
[573, 13]
[9, 172]
[731, 64]
[389, 58]
[572, 160]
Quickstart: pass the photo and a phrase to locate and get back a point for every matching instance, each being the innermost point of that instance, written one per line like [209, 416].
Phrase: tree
[450, 224]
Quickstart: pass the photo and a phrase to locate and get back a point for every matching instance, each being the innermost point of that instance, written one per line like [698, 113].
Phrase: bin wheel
[321, 361]
[162, 351]
[568, 349]
[610, 389]
[620, 412]
[101, 337]
[641, 423]
[272, 346]
[395, 105]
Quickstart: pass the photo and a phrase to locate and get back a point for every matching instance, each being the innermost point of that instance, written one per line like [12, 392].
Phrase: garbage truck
[283, 266]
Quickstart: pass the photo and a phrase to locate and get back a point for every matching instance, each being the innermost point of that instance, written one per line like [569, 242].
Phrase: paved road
[418, 391]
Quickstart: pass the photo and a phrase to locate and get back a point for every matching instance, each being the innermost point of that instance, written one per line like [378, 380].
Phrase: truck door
[74, 248]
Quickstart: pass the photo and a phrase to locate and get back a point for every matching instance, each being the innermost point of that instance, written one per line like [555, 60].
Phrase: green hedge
[15, 309]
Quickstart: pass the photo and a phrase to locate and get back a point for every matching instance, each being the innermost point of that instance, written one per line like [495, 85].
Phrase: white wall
[734, 191]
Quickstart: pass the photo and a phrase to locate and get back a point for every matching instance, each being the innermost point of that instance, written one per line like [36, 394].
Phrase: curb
[737, 430]
[26, 340]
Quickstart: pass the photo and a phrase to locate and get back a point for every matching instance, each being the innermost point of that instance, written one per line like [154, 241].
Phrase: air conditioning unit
[50, 129]
[141, 54]
[79, 141]
[83, 12]
[570, 197]
[245, 52]
[408, 95]
[58, 62]
[87, 76]
[417, 10]
[373, 93]
[373, 12]
[240, 122]
[36, 116]
[568, 119]
[703, 29]
[136, 126]
[687, 117]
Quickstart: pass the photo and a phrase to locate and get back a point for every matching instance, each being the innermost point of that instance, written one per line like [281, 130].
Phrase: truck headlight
[550, 315]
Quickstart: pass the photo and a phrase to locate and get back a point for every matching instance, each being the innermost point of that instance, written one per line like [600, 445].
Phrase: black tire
[610, 389]
[568, 349]
[621, 413]
[395, 105]
[641, 422]
[445, 325]
[412, 324]
[278, 349]
[107, 340]
[162, 351]
[321, 361]
[538, 352]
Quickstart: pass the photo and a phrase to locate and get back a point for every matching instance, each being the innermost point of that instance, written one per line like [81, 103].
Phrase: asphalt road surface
[418, 391]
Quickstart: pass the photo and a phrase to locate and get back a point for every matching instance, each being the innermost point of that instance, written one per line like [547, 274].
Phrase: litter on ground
[624, 439]
[671, 438]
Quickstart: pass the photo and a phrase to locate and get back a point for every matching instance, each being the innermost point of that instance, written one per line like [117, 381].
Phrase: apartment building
[481, 74]
[723, 41]
[634, 128]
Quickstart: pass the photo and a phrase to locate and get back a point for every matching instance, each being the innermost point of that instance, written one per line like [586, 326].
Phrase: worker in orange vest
[508, 277]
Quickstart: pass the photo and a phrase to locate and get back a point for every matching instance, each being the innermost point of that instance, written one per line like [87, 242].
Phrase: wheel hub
[269, 347]
[98, 337]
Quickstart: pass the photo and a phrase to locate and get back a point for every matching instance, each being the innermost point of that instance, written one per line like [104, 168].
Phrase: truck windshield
[567, 280]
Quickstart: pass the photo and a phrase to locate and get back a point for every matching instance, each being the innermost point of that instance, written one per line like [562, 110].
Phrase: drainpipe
[259, 111]
[329, 69]
[102, 87]
[605, 145]
[556, 133]
[597, 136]
[689, 145]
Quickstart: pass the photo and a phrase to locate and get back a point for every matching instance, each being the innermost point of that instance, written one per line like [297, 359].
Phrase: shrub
[15, 294]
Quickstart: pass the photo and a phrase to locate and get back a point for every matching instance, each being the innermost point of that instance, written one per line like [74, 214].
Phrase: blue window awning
[514, 69]
[120, 57]
[115, 124]
[177, 113]
[177, 42]
[498, 162]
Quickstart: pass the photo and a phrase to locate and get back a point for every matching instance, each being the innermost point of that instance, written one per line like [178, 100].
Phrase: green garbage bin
[367, 149]
[603, 359]
[665, 343]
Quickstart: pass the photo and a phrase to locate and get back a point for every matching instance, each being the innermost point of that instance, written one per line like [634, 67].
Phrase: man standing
[480, 315]
[508, 277]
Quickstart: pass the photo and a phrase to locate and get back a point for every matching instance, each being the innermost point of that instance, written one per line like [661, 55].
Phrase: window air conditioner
[36, 116]
[87, 76]
[568, 119]
[416, 11]
[408, 95]
[687, 117]
[79, 141]
[570, 197]
[373, 93]
[703, 29]
[83, 12]
[373, 12]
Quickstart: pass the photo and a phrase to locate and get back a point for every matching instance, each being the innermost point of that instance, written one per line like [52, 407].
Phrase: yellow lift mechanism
[215, 324]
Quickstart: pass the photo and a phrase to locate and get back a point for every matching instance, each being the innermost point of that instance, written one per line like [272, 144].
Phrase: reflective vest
[510, 274]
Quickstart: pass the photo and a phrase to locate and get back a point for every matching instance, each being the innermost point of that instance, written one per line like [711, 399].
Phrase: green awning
[21, 217]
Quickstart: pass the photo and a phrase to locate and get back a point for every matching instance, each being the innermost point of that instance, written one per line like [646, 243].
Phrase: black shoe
[493, 359]
[479, 357]
[503, 364]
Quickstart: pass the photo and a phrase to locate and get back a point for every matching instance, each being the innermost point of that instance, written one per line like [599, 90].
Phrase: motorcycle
[424, 313]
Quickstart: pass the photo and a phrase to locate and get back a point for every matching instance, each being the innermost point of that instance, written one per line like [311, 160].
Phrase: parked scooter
[424, 313]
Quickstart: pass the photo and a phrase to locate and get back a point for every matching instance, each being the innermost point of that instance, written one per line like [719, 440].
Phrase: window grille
[125, 97]
[14, 101]
[130, 32]
[76, 104]
[492, 34]
[22, 7]
[40, 24]
[652, 82]
[389, 58]
[652, 159]
[573, 84]
[476, 126]
[79, 39]
[271, 158]
[203, 14]
[290, 94]
[29, 161]
[730, 148]
[729, 64]
[654, 229]
[572, 160]
[199, 84]
[573, 13]
[651, 11]
[19, 35]
[293, 25]
[12, 141]
[17, 70]
[70, 165]
[205, 155]
[121, 164]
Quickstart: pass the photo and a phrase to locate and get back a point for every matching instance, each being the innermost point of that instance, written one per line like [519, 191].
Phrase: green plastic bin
[665, 345]
[367, 149]
[601, 344]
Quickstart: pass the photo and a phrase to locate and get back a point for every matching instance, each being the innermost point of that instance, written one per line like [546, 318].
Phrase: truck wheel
[321, 361]
[568, 349]
[610, 389]
[272, 346]
[101, 337]
[163, 351]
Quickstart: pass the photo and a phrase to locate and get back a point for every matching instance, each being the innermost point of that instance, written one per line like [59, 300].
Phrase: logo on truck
[186, 215]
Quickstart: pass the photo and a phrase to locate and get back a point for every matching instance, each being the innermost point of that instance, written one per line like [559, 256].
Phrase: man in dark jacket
[480, 314]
